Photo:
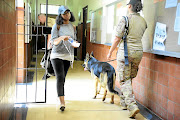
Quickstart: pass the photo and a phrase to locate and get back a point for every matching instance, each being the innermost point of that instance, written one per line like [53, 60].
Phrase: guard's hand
[109, 56]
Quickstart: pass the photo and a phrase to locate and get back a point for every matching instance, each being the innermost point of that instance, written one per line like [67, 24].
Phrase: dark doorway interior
[85, 11]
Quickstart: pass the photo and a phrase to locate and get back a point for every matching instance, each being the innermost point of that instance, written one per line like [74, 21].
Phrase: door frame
[85, 12]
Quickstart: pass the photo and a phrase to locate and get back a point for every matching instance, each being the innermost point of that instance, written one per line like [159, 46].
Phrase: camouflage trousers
[125, 74]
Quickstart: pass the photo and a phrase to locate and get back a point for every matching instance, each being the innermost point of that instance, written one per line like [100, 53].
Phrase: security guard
[125, 74]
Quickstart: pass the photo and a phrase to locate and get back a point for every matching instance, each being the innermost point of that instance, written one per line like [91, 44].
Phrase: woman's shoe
[62, 108]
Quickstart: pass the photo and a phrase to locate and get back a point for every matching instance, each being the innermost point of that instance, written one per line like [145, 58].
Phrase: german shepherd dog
[103, 73]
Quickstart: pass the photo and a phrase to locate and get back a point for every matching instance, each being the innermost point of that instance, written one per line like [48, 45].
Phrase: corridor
[27, 26]
[79, 91]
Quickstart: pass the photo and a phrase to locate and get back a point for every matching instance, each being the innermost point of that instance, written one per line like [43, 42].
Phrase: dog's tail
[110, 82]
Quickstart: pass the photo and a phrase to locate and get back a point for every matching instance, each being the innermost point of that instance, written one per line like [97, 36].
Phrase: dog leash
[110, 60]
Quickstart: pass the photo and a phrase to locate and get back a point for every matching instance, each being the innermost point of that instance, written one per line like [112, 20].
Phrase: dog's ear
[92, 54]
[87, 55]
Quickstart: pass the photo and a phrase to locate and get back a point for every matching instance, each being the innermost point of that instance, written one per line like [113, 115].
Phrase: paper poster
[159, 36]
[179, 39]
[177, 24]
[177, 20]
[171, 3]
[93, 36]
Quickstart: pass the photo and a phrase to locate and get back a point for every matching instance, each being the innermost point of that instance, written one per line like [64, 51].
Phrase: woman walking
[62, 54]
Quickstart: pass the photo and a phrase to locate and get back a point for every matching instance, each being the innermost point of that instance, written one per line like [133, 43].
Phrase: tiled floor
[79, 91]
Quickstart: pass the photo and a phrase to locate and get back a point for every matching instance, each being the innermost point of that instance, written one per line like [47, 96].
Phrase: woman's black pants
[60, 69]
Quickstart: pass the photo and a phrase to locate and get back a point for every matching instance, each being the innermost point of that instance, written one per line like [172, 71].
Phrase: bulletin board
[154, 11]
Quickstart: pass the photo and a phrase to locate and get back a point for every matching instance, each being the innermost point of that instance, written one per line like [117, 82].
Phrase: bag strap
[75, 32]
[125, 41]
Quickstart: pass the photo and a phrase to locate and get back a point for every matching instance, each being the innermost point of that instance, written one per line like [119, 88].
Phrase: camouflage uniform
[125, 74]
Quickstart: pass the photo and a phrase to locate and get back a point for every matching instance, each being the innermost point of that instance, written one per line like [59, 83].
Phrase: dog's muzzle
[85, 68]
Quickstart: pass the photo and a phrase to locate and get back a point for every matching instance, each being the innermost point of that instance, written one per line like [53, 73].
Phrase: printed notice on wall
[171, 3]
[93, 36]
[159, 36]
[177, 20]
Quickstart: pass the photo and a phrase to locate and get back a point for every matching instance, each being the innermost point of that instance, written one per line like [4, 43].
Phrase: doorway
[85, 11]
[31, 46]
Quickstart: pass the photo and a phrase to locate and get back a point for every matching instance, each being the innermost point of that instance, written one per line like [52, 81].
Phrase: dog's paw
[112, 102]
[103, 99]
[94, 97]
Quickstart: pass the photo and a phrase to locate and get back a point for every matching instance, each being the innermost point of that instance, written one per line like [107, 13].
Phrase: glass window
[96, 26]
[110, 23]
[52, 9]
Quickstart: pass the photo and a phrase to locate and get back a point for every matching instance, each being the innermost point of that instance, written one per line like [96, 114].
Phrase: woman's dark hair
[137, 7]
[59, 19]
